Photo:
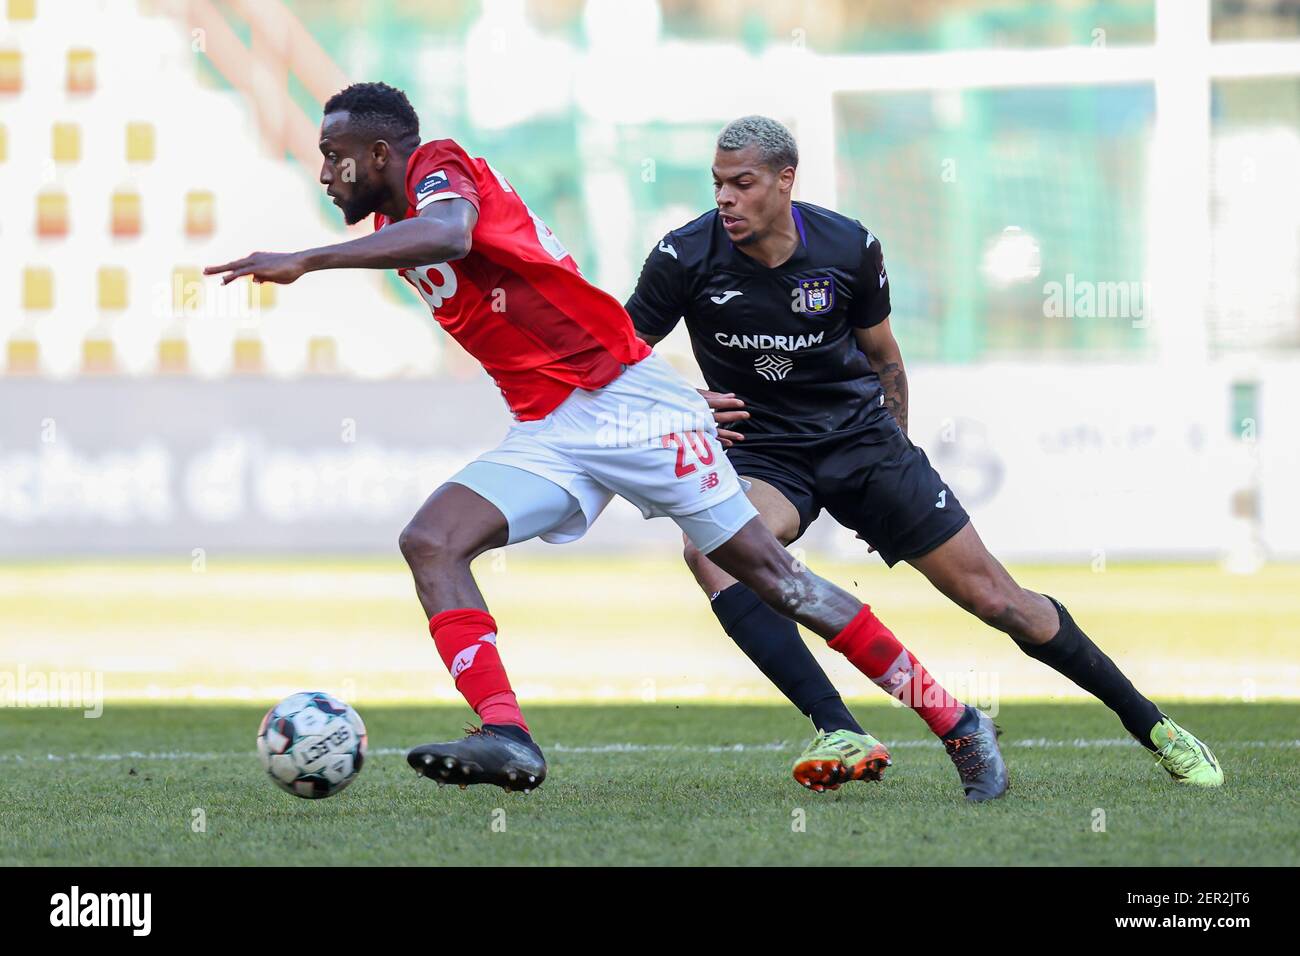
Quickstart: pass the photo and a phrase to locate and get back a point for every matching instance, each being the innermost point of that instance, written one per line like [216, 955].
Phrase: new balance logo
[665, 247]
[725, 297]
[710, 480]
[773, 367]
[943, 499]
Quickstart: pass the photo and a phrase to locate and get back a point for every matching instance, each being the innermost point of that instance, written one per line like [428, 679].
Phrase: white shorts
[646, 436]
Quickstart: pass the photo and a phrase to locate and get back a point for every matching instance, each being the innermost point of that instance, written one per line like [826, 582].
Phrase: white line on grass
[632, 748]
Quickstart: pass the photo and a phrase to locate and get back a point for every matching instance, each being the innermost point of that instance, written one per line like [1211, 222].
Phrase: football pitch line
[634, 748]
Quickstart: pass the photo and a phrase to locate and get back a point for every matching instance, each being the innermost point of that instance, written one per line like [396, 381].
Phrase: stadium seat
[322, 356]
[125, 215]
[261, 295]
[98, 356]
[249, 357]
[65, 143]
[11, 71]
[112, 288]
[173, 354]
[139, 143]
[22, 356]
[52, 214]
[199, 217]
[81, 71]
[187, 289]
[38, 289]
[21, 9]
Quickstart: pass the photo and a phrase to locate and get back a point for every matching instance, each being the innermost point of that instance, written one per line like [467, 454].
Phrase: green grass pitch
[642, 784]
[665, 744]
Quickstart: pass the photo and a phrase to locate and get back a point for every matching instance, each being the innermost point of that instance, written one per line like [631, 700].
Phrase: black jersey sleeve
[870, 305]
[657, 303]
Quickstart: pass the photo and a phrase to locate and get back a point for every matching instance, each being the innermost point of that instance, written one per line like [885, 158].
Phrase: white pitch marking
[617, 748]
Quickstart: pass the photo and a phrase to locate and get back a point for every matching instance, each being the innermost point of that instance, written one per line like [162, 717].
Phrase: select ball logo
[312, 745]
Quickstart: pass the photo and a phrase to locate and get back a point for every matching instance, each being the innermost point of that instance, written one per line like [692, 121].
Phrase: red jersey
[517, 302]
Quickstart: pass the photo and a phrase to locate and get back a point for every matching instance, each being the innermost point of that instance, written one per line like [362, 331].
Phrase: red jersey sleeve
[439, 170]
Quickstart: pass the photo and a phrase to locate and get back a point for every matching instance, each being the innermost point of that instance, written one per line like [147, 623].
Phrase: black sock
[773, 643]
[1070, 652]
[516, 733]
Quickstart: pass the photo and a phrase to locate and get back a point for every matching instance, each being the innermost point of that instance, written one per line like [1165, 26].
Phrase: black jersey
[781, 339]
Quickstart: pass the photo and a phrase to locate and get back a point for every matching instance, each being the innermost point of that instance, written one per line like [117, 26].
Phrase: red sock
[466, 639]
[872, 648]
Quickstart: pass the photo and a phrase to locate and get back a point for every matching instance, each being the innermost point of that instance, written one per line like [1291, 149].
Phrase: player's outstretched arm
[886, 358]
[442, 232]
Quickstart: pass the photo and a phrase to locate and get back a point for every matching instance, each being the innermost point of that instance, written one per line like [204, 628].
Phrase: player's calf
[754, 557]
[757, 559]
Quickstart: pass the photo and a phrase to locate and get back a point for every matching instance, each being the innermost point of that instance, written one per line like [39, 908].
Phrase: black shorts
[872, 480]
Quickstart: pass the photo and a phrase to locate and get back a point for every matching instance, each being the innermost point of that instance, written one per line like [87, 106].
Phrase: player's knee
[693, 557]
[428, 542]
[783, 528]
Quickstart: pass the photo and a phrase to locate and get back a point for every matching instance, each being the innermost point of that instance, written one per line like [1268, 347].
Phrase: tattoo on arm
[894, 380]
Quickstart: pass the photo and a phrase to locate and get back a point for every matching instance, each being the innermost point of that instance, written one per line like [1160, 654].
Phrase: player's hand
[871, 548]
[727, 408]
[281, 267]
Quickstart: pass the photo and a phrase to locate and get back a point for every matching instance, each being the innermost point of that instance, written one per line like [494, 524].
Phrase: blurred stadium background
[1090, 212]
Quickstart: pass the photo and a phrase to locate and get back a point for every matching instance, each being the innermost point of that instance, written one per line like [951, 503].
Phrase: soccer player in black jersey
[787, 306]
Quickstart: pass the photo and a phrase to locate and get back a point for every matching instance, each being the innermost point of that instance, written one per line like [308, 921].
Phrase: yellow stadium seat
[98, 356]
[261, 295]
[125, 219]
[322, 355]
[51, 213]
[38, 288]
[199, 213]
[112, 287]
[23, 357]
[173, 355]
[81, 70]
[11, 71]
[139, 143]
[65, 143]
[22, 9]
[187, 289]
[248, 355]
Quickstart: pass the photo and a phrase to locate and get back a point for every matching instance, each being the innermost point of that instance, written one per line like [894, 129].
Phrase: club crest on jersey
[436, 181]
[817, 294]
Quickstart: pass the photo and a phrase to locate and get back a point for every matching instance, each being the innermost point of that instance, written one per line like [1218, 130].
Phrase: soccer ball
[312, 744]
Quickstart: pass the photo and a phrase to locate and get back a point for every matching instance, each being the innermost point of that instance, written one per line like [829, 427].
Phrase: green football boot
[1186, 758]
[838, 757]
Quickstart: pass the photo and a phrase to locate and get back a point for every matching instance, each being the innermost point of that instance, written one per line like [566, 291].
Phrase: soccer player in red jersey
[597, 414]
